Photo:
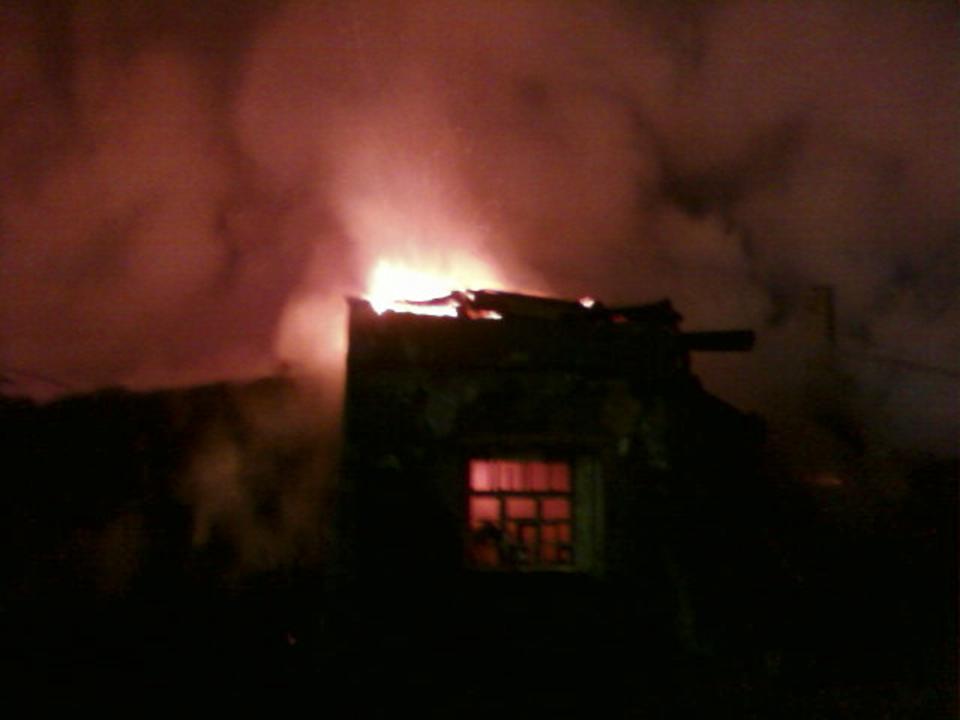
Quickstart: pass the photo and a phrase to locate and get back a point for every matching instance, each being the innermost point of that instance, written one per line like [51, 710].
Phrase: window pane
[556, 509]
[563, 532]
[484, 509]
[548, 553]
[559, 477]
[496, 475]
[539, 476]
[524, 507]
[485, 554]
[502, 479]
[480, 476]
[514, 472]
[495, 468]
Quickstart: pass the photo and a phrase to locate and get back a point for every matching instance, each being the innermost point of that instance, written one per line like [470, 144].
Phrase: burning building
[506, 433]
[539, 486]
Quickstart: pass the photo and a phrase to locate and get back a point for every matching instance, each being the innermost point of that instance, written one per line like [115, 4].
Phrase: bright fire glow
[396, 287]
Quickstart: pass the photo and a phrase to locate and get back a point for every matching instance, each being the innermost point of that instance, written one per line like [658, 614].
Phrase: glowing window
[520, 514]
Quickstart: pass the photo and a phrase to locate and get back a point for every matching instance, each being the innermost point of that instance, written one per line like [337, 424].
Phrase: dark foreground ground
[813, 616]
[480, 647]
[800, 607]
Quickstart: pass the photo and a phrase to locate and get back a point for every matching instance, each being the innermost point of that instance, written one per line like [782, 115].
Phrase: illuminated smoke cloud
[191, 188]
[729, 156]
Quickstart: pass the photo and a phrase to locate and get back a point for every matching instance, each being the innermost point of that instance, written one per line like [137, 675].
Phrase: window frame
[574, 543]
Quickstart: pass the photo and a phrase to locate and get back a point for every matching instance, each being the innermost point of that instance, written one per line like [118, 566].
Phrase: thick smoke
[191, 188]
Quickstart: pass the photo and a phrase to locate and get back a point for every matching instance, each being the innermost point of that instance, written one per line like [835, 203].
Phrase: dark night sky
[191, 187]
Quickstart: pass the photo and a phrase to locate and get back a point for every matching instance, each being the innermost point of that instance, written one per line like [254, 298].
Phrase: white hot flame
[394, 286]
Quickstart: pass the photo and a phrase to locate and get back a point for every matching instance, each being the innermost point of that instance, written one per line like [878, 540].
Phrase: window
[521, 514]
